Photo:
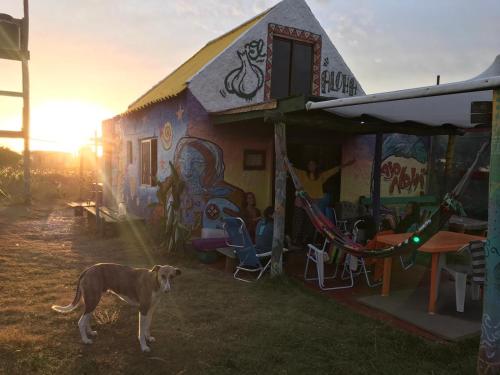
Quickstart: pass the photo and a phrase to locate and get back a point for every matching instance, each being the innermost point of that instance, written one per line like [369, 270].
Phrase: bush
[46, 184]
[8, 158]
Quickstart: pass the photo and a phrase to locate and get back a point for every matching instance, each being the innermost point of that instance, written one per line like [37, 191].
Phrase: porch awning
[449, 104]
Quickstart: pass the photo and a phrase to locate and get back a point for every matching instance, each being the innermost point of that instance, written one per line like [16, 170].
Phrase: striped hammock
[448, 207]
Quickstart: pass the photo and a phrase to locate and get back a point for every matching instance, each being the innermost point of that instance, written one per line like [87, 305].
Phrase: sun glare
[65, 125]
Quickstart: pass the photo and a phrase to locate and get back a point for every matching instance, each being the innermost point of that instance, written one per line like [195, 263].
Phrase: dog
[139, 287]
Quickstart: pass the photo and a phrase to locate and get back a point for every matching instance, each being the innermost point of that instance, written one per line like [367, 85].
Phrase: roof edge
[199, 50]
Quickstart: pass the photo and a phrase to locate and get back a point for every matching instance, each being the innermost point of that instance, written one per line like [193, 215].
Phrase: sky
[91, 58]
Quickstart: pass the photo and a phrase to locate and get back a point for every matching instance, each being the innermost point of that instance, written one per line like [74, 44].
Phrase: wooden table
[441, 243]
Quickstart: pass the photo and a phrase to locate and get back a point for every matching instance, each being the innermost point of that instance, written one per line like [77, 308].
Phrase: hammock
[448, 207]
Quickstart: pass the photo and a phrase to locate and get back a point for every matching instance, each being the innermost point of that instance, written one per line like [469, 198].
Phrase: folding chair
[248, 255]
[318, 256]
[354, 261]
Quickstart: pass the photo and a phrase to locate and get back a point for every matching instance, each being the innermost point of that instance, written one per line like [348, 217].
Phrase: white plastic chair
[352, 265]
[318, 256]
[461, 272]
[355, 262]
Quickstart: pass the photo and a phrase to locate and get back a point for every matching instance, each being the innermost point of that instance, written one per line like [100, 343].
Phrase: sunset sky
[91, 58]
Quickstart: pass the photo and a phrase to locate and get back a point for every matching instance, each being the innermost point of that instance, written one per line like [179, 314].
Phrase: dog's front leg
[142, 332]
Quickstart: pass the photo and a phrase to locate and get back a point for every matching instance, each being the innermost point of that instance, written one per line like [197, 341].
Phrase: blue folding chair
[248, 255]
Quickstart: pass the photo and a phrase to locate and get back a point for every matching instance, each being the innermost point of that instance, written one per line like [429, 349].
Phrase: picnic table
[441, 243]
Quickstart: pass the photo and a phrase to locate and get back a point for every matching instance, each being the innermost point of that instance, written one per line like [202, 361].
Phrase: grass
[209, 324]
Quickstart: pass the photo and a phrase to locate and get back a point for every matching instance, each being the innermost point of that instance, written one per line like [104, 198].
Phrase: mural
[404, 169]
[166, 137]
[207, 197]
[407, 146]
[246, 80]
[404, 164]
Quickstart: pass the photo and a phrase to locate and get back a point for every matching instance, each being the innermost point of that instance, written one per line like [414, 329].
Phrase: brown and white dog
[139, 287]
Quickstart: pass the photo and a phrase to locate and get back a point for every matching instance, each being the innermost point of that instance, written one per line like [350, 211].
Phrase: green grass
[208, 324]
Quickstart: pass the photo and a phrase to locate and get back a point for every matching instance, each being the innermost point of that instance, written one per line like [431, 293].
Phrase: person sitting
[410, 221]
[250, 213]
[264, 231]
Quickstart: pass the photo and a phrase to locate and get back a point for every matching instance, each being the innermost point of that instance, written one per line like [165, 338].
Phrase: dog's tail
[76, 300]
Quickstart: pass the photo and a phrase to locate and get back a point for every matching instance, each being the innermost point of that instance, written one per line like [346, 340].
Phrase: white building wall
[236, 77]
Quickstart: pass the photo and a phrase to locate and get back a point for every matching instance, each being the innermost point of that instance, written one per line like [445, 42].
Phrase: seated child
[410, 221]
[264, 231]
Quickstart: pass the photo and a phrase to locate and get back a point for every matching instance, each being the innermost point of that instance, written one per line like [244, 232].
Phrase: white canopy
[432, 105]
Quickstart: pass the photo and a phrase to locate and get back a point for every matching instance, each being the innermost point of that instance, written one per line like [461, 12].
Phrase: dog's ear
[155, 268]
[177, 272]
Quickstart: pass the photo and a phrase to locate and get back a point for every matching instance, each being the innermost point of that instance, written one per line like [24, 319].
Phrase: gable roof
[176, 81]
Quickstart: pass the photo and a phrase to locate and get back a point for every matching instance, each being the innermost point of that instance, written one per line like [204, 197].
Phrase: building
[210, 119]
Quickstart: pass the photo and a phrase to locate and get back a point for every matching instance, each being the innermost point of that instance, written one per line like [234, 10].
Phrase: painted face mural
[207, 198]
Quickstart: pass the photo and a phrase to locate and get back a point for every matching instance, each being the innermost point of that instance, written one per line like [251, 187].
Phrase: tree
[8, 158]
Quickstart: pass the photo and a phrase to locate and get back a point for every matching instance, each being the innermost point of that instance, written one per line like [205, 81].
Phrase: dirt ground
[209, 323]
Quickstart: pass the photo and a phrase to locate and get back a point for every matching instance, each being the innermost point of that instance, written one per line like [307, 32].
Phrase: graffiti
[401, 179]
[490, 336]
[490, 249]
[332, 81]
[246, 80]
[207, 198]
[167, 135]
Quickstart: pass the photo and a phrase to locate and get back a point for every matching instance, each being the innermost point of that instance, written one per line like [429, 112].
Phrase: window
[129, 152]
[149, 161]
[292, 68]
[254, 160]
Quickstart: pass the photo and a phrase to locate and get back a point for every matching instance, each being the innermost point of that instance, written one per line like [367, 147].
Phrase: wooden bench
[79, 207]
[108, 217]
[429, 202]
[230, 258]
[423, 200]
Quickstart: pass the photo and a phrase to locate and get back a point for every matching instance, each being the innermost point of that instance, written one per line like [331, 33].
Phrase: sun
[65, 125]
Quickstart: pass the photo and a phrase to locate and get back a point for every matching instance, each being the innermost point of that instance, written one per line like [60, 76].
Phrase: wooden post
[81, 175]
[377, 164]
[279, 198]
[26, 133]
[26, 104]
[489, 349]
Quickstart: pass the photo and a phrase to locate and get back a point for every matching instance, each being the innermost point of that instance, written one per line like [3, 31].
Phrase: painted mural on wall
[404, 164]
[247, 79]
[166, 123]
[207, 197]
[404, 170]
[333, 81]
